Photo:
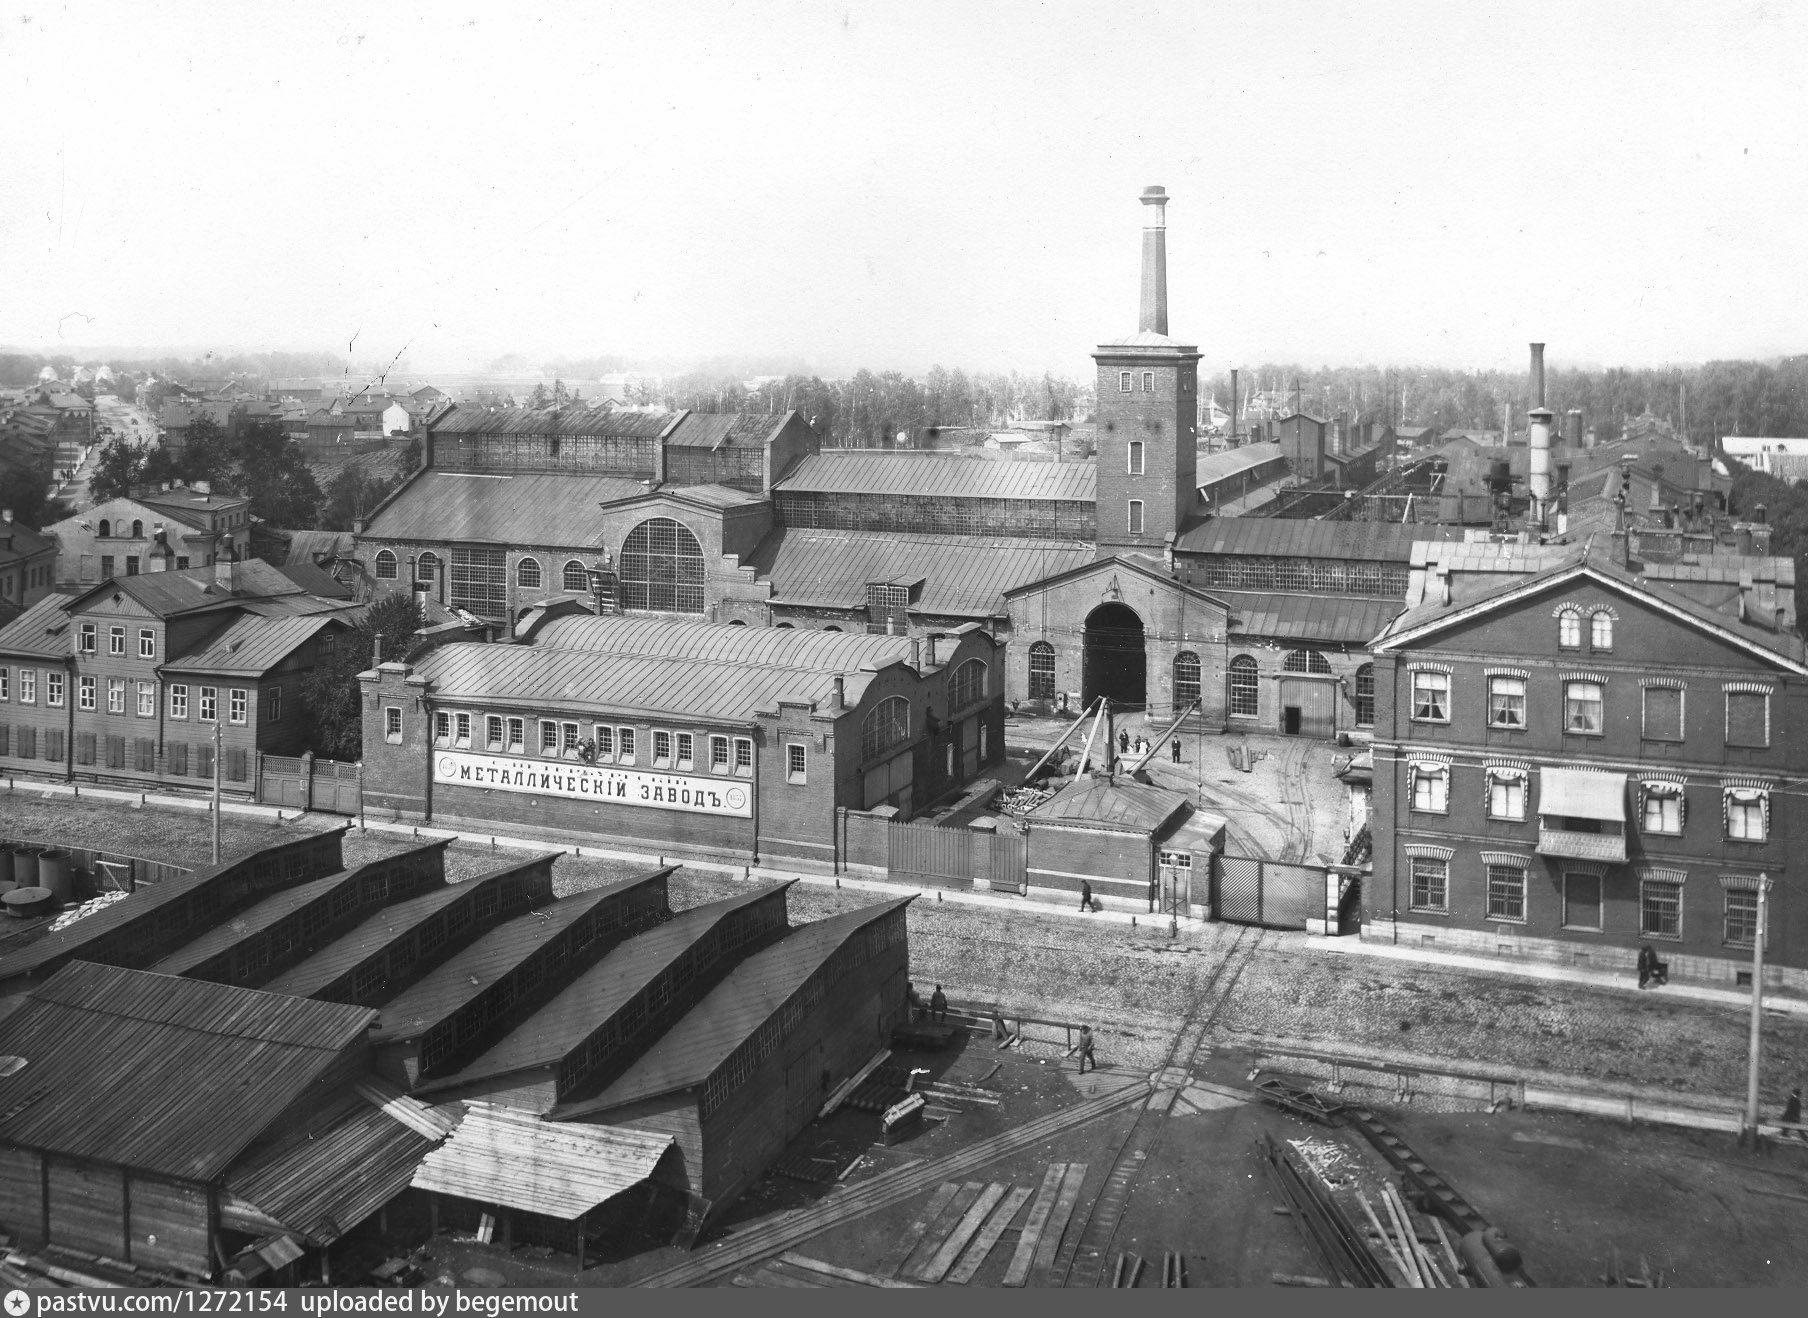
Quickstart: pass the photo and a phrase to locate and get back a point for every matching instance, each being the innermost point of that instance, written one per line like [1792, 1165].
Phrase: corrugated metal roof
[169, 593]
[555, 1029]
[501, 1156]
[322, 1181]
[1386, 541]
[939, 475]
[452, 984]
[1214, 467]
[1122, 803]
[963, 576]
[517, 510]
[381, 929]
[251, 646]
[161, 1074]
[725, 429]
[42, 631]
[789, 647]
[1147, 339]
[1331, 619]
[227, 934]
[564, 421]
[708, 1033]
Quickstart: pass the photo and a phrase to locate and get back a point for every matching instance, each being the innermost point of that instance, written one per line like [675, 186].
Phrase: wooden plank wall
[169, 1226]
[22, 1194]
[88, 1208]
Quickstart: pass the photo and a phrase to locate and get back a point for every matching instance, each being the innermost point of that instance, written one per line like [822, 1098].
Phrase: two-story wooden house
[1576, 755]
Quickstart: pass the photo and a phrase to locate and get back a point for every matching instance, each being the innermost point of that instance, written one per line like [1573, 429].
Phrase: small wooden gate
[305, 783]
[336, 787]
[282, 782]
[1269, 893]
[941, 857]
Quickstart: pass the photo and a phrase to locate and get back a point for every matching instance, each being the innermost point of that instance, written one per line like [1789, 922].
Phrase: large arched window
[1600, 631]
[969, 683]
[386, 565]
[1186, 679]
[1569, 629]
[527, 573]
[1365, 696]
[574, 577]
[888, 725]
[426, 568]
[1042, 671]
[138, 533]
[1243, 697]
[106, 529]
[662, 568]
[1306, 661]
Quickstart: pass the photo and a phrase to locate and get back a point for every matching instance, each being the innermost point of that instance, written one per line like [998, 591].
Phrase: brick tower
[1147, 410]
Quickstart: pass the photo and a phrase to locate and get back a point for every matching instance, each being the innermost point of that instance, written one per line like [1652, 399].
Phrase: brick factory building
[673, 733]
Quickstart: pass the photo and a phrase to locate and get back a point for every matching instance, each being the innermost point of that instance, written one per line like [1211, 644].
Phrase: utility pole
[1757, 1021]
[216, 789]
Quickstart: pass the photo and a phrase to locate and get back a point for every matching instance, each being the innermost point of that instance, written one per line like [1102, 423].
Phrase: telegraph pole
[216, 789]
[1757, 1019]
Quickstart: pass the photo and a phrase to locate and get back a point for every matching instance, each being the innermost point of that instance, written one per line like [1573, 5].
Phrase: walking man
[1086, 1049]
[1085, 895]
[1123, 743]
[1647, 965]
[938, 1006]
[1792, 1115]
[1176, 749]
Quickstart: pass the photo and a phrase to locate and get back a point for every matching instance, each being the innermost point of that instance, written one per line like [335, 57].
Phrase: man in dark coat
[1177, 750]
[1086, 1049]
[1085, 895]
[1649, 967]
[1123, 743]
[938, 1006]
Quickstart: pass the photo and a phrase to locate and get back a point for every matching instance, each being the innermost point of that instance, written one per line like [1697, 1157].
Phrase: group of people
[937, 1013]
[1127, 745]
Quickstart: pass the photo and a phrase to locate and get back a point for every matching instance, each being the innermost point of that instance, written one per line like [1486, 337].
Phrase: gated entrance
[955, 857]
[305, 783]
[1269, 893]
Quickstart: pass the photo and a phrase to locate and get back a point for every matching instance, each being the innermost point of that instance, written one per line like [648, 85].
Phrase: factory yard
[1568, 1190]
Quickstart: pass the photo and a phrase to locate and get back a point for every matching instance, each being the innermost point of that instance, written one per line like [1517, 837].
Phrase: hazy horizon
[863, 186]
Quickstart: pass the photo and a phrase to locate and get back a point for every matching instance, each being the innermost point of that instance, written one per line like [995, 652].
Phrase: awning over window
[1582, 794]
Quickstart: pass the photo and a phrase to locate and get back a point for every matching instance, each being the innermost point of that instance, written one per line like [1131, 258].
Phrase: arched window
[426, 568]
[1569, 629]
[1243, 697]
[969, 683]
[574, 577]
[1306, 661]
[1600, 631]
[106, 529]
[386, 565]
[138, 533]
[1042, 671]
[662, 568]
[831, 628]
[783, 625]
[737, 622]
[887, 726]
[527, 573]
[1365, 696]
[1186, 679]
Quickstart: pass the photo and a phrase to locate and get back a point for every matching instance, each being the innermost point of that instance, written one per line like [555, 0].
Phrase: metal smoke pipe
[1154, 317]
[1233, 407]
[1539, 441]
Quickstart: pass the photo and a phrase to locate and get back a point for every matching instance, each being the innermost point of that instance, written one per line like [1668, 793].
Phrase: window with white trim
[386, 565]
[442, 727]
[1430, 885]
[236, 707]
[426, 568]
[1042, 671]
[147, 700]
[1661, 807]
[686, 751]
[1660, 909]
[795, 758]
[492, 732]
[461, 731]
[549, 737]
[1748, 718]
[624, 745]
[1507, 794]
[85, 641]
[569, 739]
[116, 695]
[604, 735]
[1569, 629]
[116, 640]
[718, 755]
[1365, 696]
[53, 689]
[28, 686]
[1136, 517]
[1507, 702]
[1507, 893]
[1125, 382]
[392, 724]
[1148, 382]
[517, 735]
[1600, 630]
[147, 643]
[527, 574]
[84, 693]
[743, 757]
[1741, 918]
[6, 690]
[210, 704]
[1747, 814]
[662, 749]
[1135, 463]
[1663, 714]
[1583, 706]
[1430, 787]
[572, 577]
[1430, 696]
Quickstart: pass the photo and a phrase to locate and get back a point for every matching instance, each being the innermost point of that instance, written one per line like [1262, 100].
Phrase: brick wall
[1158, 411]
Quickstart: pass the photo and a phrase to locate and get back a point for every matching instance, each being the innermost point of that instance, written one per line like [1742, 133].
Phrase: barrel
[53, 873]
[25, 865]
[29, 902]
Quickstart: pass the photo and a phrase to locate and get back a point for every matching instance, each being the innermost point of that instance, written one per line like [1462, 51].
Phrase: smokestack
[376, 650]
[1572, 428]
[1154, 318]
[1539, 440]
[1233, 407]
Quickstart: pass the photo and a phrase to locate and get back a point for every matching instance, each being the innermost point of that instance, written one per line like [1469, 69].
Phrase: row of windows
[1660, 902]
[1662, 806]
[27, 687]
[30, 682]
[1600, 630]
[1126, 381]
[563, 739]
[88, 640]
[1662, 712]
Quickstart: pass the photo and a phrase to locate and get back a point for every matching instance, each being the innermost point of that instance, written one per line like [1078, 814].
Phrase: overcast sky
[896, 184]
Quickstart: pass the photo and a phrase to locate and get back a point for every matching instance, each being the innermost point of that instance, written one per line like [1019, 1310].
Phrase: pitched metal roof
[1330, 619]
[158, 1073]
[183, 499]
[710, 496]
[721, 643]
[42, 631]
[502, 1156]
[341, 955]
[1385, 541]
[546, 1036]
[167, 594]
[466, 974]
[705, 1037]
[939, 475]
[248, 924]
[352, 1157]
[250, 646]
[726, 429]
[963, 576]
[1213, 467]
[578, 420]
[523, 509]
[1121, 804]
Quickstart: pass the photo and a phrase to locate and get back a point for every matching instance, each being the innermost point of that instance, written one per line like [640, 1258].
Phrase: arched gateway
[1115, 660]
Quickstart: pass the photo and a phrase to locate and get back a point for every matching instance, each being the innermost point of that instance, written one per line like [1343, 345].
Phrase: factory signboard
[601, 783]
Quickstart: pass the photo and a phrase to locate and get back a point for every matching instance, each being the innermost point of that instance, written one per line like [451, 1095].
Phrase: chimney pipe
[1537, 375]
[1572, 430]
[1154, 317]
[1538, 440]
[1233, 407]
[930, 656]
[376, 649]
[840, 695]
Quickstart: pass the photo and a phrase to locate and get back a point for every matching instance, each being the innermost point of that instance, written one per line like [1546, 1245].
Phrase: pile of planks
[797, 1272]
[955, 1233]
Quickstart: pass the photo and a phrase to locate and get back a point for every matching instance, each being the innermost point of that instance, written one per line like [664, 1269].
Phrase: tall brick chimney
[1154, 318]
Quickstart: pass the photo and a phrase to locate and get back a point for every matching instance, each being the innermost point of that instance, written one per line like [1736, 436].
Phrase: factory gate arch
[1115, 661]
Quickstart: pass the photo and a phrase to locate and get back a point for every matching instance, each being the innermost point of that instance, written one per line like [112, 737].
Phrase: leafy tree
[330, 692]
[116, 470]
[539, 397]
[349, 497]
[273, 475]
[413, 455]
